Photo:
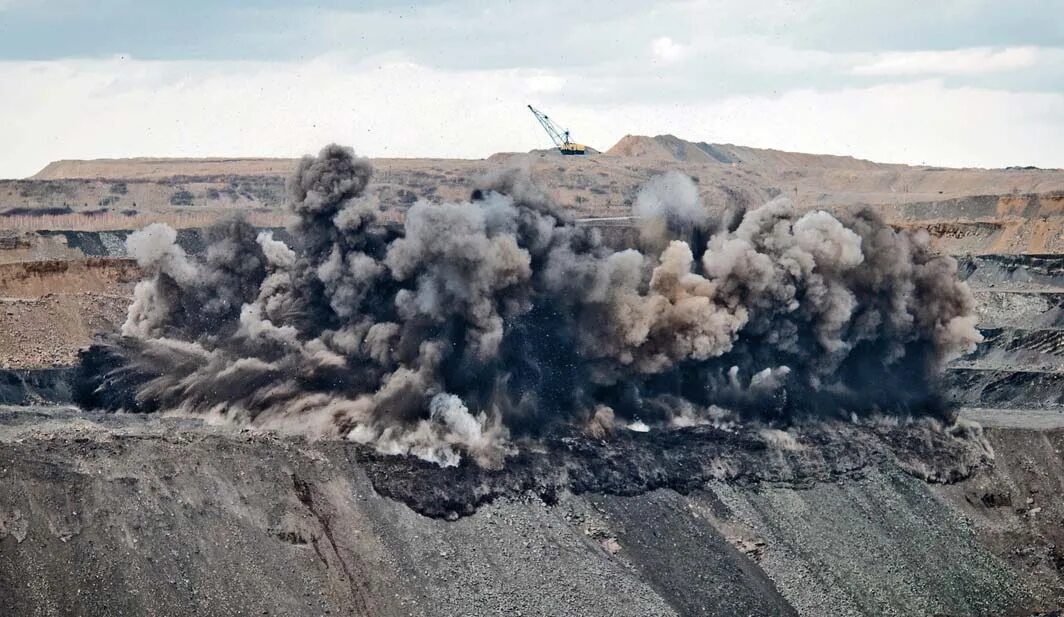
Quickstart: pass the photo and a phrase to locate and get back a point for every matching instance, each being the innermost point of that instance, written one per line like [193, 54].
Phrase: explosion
[474, 324]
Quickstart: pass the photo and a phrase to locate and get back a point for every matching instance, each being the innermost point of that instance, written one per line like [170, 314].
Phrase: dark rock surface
[683, 460]
[147, 515]
[28, 386]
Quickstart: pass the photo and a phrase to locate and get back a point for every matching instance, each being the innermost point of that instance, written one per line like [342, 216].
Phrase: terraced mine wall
[1022, 224]
[115, 514]
[1015, 223]
[1021, 316]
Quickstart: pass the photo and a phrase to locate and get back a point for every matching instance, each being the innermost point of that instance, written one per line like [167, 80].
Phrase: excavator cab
[568, 147]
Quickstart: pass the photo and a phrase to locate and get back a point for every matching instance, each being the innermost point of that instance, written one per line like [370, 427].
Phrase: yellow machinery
[559, 136]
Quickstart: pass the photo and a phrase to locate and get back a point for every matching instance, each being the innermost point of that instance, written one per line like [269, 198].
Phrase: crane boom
[549, 126]
[559, 136]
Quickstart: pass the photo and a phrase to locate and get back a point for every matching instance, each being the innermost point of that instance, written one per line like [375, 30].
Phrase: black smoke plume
[473, 324]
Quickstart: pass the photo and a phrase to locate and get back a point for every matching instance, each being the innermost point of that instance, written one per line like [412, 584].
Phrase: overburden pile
[477, 323]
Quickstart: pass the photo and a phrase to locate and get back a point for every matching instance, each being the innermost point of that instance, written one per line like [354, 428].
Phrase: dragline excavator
[559, 136]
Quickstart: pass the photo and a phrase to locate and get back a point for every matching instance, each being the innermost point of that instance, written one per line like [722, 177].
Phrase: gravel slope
[120, 515]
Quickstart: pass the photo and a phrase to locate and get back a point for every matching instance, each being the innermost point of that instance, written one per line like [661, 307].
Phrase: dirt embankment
[149, 168]
[1015, 507]
[49, 310]
[989, 224]
[128, 515]
[94, 275]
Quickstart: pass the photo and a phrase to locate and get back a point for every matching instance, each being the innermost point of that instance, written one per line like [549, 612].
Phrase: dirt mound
[779, 159]
[664, 148]
[670, 147]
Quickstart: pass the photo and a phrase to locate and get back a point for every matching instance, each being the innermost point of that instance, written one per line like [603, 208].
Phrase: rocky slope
[1021, 361]
[131, 516]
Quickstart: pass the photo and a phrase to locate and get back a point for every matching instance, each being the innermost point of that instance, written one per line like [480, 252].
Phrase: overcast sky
[959, 83]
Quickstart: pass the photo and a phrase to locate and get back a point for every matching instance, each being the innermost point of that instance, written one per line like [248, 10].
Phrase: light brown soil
[50, 330]
[35, 279]
[151, 168]
[50, 310]
[966, 210]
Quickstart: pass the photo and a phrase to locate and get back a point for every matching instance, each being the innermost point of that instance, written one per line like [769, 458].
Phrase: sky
[945, 82]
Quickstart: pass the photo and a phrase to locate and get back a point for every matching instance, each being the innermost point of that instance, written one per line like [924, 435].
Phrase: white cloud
[116, 108]
[667, 50]
[969, 61]
[545, 83]
[119, 108]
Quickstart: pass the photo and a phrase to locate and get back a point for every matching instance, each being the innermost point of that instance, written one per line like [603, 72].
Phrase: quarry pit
[104, 513]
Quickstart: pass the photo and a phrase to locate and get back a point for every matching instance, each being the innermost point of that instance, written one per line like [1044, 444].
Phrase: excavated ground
[49, 309]
[134, 515]
[1021, 361]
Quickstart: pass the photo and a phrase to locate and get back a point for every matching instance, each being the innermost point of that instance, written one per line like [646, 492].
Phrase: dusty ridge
[671, 147]
[144, 168]
[1016, 210]
[155, 168]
